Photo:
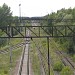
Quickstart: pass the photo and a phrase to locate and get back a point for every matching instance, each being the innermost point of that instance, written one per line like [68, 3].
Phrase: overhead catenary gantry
[49, 31]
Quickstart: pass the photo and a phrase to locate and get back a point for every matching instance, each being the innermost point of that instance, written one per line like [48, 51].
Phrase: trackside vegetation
[6, 19]
[66, 45]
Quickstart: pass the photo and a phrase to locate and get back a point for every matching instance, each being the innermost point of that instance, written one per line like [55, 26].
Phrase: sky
[32, 8]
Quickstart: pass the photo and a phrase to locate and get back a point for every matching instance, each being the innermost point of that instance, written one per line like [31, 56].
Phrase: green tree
[66, 71]
[15, 20]
[5, 20]
[5, 15]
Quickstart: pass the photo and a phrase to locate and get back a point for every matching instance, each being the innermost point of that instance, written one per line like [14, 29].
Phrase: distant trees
[5, 15]
[6, 19]
[60, 16]
[16, 20]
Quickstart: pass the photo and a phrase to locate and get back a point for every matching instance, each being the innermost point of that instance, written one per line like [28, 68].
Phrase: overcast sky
[37, 7]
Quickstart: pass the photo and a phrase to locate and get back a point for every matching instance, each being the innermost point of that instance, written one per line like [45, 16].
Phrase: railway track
[21, 62]
[65, 59]
[25, 64]
[13, 47]
[44, 69]
[41, 57]
[24, 54]
[51, 60]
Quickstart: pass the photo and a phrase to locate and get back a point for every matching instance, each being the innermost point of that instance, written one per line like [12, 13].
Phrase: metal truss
[38, 31]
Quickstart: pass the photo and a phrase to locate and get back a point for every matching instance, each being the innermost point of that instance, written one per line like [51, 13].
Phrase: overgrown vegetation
[58, 66]
[67, 44]
[61, 16]
[6, 19]
[5, 61]
[35, 60]
[66, 71]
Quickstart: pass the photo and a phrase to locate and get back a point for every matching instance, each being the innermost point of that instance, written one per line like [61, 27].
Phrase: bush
[58, 66]
[5, 72]
[66, 71]
[73, 57]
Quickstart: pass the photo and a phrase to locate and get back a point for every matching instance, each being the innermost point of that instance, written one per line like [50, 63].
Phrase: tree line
[6, 19]
[60, 16]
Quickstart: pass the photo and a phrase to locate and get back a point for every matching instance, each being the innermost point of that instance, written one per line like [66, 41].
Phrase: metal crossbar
[48, 31]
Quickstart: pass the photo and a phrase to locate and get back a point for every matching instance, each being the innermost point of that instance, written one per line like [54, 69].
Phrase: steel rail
[65, 60]
[41, 57]
[21, 62]
[13, 47]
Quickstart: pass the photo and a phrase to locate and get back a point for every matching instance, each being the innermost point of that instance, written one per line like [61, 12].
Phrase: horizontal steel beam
[37, 26]
[40, 37]
[38, 31]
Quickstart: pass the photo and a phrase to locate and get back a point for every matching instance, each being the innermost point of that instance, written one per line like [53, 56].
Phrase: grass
[34, 55]
[5, 58]
[53, 55]
[42, 42]
[35, 60]
[5, 61]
